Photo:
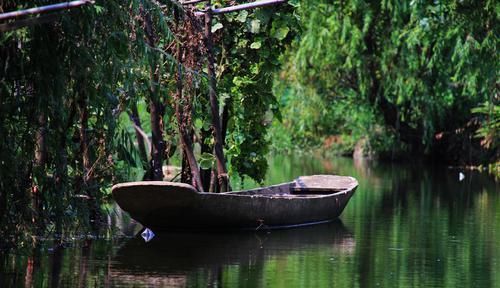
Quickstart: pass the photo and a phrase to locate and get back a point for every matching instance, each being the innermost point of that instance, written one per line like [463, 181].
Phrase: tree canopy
[118, 90]
[114, 91]
[402, 74]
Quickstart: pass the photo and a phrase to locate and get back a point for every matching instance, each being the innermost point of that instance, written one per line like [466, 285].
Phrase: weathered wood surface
[167, 205]
[322, 183]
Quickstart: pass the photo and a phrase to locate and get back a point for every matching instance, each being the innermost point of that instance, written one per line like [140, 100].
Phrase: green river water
[407, 225]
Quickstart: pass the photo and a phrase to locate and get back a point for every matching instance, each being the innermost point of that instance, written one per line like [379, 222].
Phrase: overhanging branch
[44, 9]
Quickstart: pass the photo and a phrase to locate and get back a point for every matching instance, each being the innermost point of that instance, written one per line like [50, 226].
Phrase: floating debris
[461, 176]
[147, 234]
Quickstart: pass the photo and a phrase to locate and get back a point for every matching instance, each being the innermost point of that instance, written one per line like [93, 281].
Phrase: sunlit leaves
[207, 161]
[281, 33]
[216, 27]
[490, 126]
[426, 59]
[255, 26]
[242, 16]
[256, 45]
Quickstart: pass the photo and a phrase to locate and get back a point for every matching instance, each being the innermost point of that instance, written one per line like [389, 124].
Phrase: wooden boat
[164, 206]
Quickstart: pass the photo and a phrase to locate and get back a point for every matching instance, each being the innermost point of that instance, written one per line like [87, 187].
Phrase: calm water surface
[406, 226]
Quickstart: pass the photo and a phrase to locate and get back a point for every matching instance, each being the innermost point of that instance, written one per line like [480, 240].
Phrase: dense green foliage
[63, 86]
[114, 91]
[398, 75]
[91, 97]
[53, 76]
[251, 45]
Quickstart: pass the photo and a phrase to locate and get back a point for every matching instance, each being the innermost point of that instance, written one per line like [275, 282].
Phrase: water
[406, 226]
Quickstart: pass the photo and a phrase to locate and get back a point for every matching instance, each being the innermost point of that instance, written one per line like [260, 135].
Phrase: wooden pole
[246, 6]
[214, 104]
[44, 9]
[191, 2]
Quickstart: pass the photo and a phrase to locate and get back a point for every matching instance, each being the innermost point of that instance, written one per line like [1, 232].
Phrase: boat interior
[286, 189]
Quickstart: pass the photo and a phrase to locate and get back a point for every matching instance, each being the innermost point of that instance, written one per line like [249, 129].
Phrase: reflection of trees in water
[148, 280]
[432, 188]
[418, 213]
[121, 222]
[242, 257]
[403, 217]
[52, 263]
[175, 259]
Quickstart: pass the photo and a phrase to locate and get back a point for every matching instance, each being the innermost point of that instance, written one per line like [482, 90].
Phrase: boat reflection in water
[185, 259]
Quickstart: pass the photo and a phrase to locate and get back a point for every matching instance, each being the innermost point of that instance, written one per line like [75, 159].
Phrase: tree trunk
[40, 161]
[41, 141]
[156, 109]
[213, 182]
[186, 176]
[84, 149]
[225, 120]
[185, 135]
[157, 145]
[214, 105]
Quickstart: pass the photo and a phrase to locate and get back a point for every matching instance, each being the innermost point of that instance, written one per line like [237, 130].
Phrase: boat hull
[173, 206]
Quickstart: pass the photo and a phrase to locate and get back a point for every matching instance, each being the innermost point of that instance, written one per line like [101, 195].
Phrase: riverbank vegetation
[392, 79]
[117, 90]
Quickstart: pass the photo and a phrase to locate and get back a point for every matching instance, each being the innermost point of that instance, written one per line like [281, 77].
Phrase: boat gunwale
[284, 195]
[352, 185]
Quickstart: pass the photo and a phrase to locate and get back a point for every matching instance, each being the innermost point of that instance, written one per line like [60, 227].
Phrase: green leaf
[264, 15]
[256, 45]
[281, 33]
[99, 9]
[216, 27]
[242, 43]
[242, 16]
[207, 160]
[294, 3]
[255, 26]
[229, 17]
[198, 123]
[254, 69]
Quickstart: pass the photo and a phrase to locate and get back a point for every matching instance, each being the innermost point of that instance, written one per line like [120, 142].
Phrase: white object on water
[461, 176]
[147, 234]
